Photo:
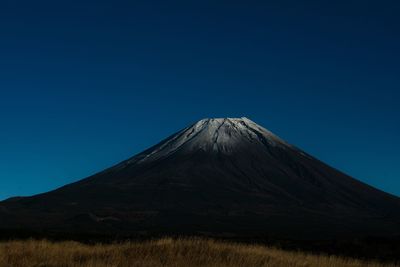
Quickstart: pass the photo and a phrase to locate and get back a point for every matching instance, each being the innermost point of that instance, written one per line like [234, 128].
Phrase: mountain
[218, 177]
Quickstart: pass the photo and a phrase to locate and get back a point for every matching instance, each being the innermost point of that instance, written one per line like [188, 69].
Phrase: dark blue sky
[86, 84]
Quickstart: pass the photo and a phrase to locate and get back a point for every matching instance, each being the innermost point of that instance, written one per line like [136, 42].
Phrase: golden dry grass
[164, 252]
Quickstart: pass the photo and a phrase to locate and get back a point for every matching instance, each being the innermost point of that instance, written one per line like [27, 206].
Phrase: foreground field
[163, 252]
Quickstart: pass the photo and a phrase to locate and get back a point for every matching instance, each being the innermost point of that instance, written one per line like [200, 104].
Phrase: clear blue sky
[86, 84]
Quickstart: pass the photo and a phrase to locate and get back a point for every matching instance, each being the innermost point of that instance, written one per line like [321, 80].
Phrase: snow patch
[220, 135]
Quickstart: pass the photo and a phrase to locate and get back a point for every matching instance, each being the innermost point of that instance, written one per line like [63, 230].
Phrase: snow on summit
[223, 135]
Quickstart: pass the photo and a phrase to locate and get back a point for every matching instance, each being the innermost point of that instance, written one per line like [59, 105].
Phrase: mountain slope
[220, 177]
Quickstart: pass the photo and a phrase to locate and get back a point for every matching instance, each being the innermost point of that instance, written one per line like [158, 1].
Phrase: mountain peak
[221, 121]
[213, 135]
[229, 129]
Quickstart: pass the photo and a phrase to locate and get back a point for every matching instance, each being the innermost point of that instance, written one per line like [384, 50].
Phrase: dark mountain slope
[218, 177]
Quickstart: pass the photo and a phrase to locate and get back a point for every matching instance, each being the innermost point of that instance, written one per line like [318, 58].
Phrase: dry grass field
[164, 252]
